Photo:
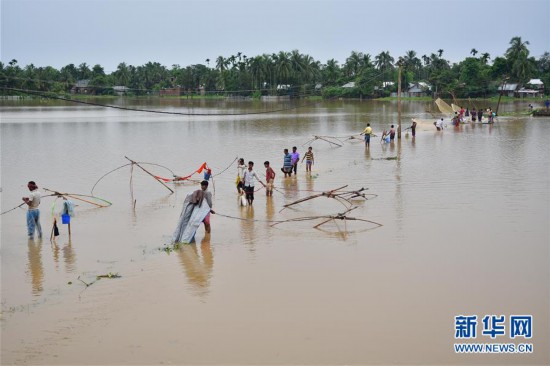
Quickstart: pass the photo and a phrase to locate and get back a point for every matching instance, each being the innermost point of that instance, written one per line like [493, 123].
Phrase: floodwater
[465, 215]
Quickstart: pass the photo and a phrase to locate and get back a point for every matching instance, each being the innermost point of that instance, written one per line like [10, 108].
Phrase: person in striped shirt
[308, 157]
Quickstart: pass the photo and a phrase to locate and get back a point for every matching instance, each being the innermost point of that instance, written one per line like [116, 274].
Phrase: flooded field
[465, 215]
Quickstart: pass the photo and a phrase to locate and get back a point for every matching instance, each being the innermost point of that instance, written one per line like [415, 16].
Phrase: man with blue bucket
[33, 214]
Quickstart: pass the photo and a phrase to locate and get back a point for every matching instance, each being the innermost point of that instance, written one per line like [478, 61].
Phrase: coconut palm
[474, 52]
[516, 48]
[331, 72]
[517, 56]
[484, 58]
[122, 74]
[384, 61]
[283, 67]
[353, 64]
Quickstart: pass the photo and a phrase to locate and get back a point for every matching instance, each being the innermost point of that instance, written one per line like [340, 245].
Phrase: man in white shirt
[439, 124]
[33, 214]
[249, 176]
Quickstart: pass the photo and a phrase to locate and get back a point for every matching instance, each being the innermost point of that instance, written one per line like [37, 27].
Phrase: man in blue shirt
[287, 164]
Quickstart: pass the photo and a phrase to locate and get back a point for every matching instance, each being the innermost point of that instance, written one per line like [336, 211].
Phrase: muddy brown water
[465, 216]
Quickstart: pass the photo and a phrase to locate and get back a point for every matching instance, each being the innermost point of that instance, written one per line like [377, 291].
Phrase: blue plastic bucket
[65, 219]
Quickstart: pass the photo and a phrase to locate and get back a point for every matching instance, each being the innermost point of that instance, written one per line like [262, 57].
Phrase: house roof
[424, 85]
[508, 87]
[82, 83]
[351, 84]
[535, 82]
[419, 87]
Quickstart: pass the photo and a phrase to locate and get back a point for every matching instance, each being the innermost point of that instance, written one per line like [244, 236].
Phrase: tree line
[299, 74]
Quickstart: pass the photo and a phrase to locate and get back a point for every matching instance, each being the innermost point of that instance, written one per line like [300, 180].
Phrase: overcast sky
[185, 32]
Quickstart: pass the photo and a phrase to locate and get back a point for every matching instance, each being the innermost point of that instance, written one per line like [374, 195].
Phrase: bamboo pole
[330, 142]
[326, 194]
[139, 166]
[131, 181]
[76, 198]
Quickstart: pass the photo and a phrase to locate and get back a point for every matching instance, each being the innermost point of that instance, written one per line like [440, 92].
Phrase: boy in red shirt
[270, 178]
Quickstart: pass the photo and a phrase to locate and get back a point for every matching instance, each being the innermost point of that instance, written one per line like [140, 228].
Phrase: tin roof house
[535, 84]
[83, 87]
[508, 89]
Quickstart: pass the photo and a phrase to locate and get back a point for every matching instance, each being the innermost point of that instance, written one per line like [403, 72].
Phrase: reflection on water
[34, 265]
[69, 256]
[248, 226]
[197, 266]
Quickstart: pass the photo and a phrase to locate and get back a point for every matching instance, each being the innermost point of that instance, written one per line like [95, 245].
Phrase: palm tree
[366, 62]
[221, 63]
[426, 60]
[256, 71]
[353, 64]
[384, 61]
[439, 52]
[122, 75]
[84, 71]
[473, 52]
[485, 57]
[310, 69]
[283, 67]
[297, 62]
[331, 72]
[518, 57]
[411, 62]
[516, 48]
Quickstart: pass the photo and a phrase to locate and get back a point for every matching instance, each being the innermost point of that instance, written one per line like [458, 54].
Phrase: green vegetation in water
[541, 113]
[169, 248]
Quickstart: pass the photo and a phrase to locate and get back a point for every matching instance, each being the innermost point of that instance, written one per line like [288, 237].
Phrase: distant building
[419, 89]
[350, 85]
[525, 93]
[536, 84]
[83, 87]
[508, 89]
[121, 90]
[172, 92]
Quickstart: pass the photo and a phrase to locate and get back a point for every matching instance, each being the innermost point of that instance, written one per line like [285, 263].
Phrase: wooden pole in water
[500, 94]
[139, 166]
[399, 63]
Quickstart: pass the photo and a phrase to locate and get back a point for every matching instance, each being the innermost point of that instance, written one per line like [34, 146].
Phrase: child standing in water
[308, 157]
[269, 179]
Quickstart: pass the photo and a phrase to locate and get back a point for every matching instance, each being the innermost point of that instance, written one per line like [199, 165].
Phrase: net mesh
[443, 107]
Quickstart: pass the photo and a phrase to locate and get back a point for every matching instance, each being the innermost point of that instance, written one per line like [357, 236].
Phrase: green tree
[122, 74]
[384, 61]
[331, 73]
[517, 56]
